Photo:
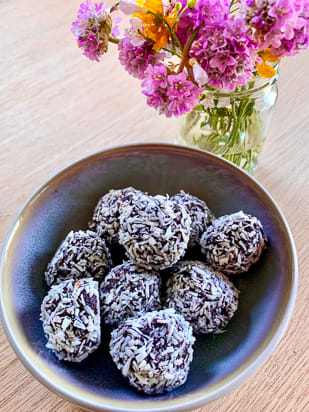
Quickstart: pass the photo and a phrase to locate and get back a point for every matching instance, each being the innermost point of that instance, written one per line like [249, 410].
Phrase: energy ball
[205, 298]
[234, 242]
[155, 232]
[154, 351]
[128, 292]
[201, 215]
[82, 254]
[105, 219]
[71, 319]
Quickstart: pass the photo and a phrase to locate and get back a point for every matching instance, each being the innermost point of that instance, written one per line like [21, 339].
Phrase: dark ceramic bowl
[66, 201]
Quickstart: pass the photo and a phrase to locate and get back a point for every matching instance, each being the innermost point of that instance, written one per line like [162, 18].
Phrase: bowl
[66, 201]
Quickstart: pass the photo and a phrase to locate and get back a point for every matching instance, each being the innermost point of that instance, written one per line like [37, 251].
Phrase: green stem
[187, 49]
[113, 39]
[114, 7]
[173, 34]
[179, 16]
[249, 167]
[226, 130]
[174, 52]
[237, 120]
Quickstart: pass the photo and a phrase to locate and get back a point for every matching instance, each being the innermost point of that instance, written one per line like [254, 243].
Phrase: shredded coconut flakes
[205, 298]
[160, 350]
[71, 319]
[127, 292]
[201, 215]
[82, 254]
[155, 232]
[105, 219]
[234, 242]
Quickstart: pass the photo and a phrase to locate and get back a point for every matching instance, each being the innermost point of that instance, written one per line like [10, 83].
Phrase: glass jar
[233, 125]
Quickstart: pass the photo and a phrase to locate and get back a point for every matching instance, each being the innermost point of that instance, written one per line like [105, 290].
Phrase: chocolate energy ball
[234, 242]
[71, 319]
[128, 292]
[205, 298]
[82, 254]
[201, 215]
[154, 351]
[154, 231]
[105, 219]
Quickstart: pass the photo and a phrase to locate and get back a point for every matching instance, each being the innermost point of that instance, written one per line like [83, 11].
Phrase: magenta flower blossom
[268, 19]
[281, 25]
[157, 77]
[135, 59]
[92, 28]
[172, 95]
[227, 53]
[179, 86]
[221, 61]
[204, 12]
[296, 34]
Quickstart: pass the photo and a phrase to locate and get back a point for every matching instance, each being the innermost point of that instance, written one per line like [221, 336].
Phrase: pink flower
[204, 12]
[157, 76]
[135, 59]
[268, 19]
[296, 34]
[179, 86]
[221, 60]
[281, 25]
[92, 28]
[174, 95]
[227, 53]
[183, 104]
[156, 100]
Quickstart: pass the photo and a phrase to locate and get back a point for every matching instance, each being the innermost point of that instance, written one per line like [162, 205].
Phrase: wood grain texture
[55, 106]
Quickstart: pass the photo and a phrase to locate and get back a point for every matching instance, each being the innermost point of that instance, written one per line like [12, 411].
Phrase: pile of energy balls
[152, 325]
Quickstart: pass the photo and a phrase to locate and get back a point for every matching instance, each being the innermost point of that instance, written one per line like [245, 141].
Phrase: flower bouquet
[212, 62]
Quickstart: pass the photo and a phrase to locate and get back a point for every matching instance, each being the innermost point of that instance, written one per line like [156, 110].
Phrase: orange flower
[264, 69]
[269, 57]
[154, 26]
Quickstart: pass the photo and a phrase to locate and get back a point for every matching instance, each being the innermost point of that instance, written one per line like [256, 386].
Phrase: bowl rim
[181, 403]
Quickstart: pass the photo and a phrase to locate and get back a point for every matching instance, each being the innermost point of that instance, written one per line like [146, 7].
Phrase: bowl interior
[66, 202]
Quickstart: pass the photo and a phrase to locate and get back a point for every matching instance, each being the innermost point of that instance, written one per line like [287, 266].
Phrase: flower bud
[191, 3]
[178, 6]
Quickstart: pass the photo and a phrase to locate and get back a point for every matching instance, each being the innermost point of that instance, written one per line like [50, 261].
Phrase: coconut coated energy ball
[82, 254]
[127, 292]
[234, 242]
[201, 215]
[106, 215]
[154, 231]
[71, 319]
[205, 298]
[154, 351]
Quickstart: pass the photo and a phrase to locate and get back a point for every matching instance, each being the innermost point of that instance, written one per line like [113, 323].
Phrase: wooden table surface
[56, 106]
